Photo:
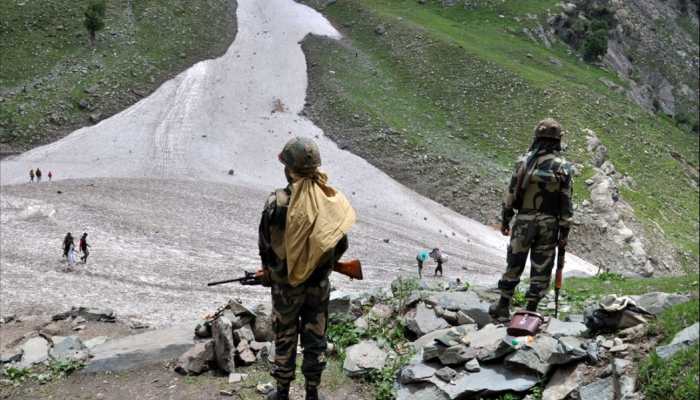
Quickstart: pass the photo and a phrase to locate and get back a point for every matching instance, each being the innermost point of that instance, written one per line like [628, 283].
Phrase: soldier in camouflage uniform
[540, 190]
[300, 310]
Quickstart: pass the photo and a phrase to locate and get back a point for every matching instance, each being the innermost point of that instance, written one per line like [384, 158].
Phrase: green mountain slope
[445, 99]
[47, 68]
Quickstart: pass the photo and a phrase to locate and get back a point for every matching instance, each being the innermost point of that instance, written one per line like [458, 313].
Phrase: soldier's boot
[281, 393]
[501, 310]
[312, 393]
[532, 305]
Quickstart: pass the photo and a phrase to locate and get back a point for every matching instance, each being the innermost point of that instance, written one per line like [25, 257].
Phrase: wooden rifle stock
[352, 269]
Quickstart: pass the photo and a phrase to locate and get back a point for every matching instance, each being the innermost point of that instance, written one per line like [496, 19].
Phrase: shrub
[595, 45]
[94, 18]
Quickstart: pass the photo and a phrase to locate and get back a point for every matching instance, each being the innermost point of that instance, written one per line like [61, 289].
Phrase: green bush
[595, 45]
[94, 18]
[342, 334]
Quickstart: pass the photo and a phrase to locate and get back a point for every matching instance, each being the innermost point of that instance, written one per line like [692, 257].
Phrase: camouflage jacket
[271, 241]
[545, 188]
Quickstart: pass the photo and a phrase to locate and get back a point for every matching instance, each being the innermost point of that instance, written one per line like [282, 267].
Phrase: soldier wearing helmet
[540, 191]
[299, 300]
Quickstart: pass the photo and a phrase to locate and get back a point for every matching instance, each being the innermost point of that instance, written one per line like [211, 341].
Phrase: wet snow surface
[150, 185]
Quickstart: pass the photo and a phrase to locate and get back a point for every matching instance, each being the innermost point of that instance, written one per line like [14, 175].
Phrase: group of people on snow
[436, 254]
[37, 174]
[70, 252]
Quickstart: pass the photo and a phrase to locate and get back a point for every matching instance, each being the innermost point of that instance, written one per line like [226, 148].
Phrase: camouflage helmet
[548, 128]
[300, 154]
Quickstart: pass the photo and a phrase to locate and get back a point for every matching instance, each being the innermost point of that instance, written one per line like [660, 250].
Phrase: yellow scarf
[317, 218]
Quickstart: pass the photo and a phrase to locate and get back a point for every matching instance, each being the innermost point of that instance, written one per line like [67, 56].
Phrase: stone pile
[45, 344]
[234, 336]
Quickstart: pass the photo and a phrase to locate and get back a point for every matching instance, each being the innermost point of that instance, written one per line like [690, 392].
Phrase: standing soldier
[540, 190]
[302, 235]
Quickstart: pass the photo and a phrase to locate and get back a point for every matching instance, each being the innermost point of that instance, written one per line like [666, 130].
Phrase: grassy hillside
[47, 67]
[446, 98]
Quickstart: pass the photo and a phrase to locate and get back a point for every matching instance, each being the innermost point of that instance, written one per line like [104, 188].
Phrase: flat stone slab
[681, 341]
[489, 380]
[138, 350]
[559, 328]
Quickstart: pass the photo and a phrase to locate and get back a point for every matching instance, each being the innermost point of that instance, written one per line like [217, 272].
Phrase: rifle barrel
[224, 281]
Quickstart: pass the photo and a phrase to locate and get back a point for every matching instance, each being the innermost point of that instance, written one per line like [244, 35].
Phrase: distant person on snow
[67, 240]
[422, 257]
[38, 175]
[31, 175]
[440, 258]
[71, 253]
[50, 176]
[83, 246]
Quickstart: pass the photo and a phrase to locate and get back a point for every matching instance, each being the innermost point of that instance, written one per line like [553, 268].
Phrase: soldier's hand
[263, 275]
[505, 230]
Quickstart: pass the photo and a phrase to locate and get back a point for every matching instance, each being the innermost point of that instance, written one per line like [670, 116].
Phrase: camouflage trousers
[301, 310]
[536, 234]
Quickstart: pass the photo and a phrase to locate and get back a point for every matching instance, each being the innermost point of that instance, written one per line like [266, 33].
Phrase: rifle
[248, 279]
[561, 253]
[351, 269]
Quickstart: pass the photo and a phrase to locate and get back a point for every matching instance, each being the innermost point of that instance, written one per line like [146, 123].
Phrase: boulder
[559, 328]
[13, 355]
[262, 324]
[203, 330]
[463, 319]
[339, 302]
[362, 358]
[224, 347]
[569, 349]
[417, 372]
[564, 381]
[456, 332]
[196, 360]
[423, 320]
[68, 348]
[467, 302]
[535, 355]
[457, 354]
[489, 344]
[683, 339]
[657, 302]
[447, 374]
[34, 351]
[604, 389]
[243, 333]
[361, 324]
[472, 365]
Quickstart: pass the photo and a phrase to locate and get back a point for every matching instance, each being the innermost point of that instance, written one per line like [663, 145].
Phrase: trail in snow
[218, 115]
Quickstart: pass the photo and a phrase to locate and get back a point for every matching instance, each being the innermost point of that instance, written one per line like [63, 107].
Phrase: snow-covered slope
[236, 112]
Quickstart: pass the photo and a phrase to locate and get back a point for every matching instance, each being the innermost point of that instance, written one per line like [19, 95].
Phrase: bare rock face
[224, 347]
